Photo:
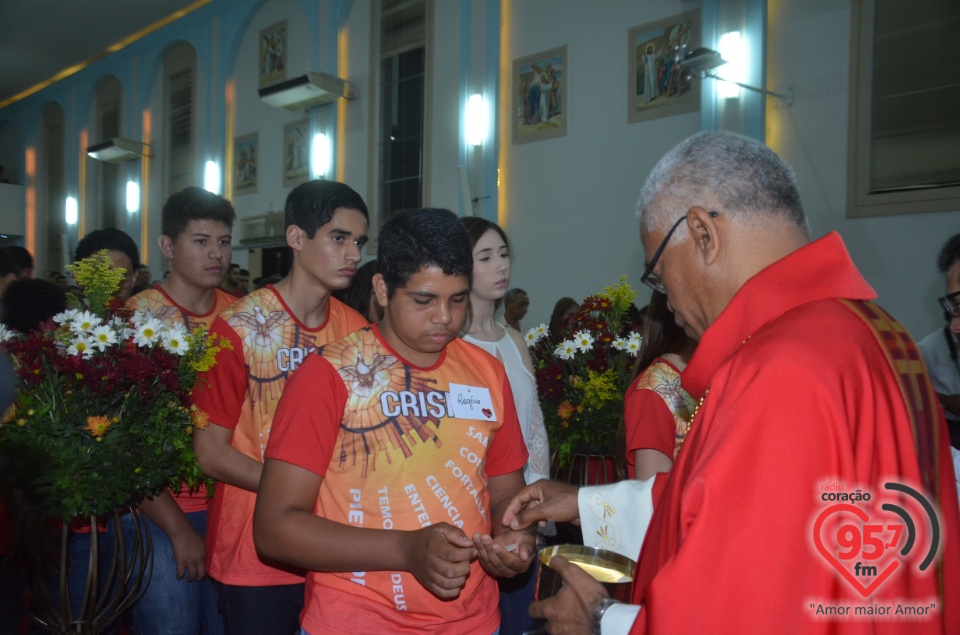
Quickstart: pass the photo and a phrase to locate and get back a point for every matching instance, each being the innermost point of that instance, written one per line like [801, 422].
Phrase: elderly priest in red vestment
[814, 492]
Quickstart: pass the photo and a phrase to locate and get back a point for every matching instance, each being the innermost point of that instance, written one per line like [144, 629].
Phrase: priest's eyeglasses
[951, 304]
[651, 279]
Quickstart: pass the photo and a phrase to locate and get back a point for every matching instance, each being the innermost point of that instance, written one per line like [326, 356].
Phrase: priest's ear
[703, 228]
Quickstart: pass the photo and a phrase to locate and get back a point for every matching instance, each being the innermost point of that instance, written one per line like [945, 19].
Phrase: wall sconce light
[211, 177]
[133, 197]
[71, 211]
[701, 62]
[321, 155]
[476, 119]
[731, 47]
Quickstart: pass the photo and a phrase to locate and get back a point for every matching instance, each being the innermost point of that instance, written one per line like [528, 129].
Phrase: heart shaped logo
[865, 591]
[487, 413]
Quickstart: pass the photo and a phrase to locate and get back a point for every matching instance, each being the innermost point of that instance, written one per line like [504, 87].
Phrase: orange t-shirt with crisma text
[399, 448]
[241, 393]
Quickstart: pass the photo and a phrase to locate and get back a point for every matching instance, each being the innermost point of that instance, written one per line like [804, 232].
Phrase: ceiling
[40, 38]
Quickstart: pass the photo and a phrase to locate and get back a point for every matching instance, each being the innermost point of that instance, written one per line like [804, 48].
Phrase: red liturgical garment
[801, 400]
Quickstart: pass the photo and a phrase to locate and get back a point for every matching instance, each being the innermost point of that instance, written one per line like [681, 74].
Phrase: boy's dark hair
[311, 205]
[233, 266]
[418, 238]
[21, 258]
[112, 240]
[194, 203]
[949, 254]
[30, 301]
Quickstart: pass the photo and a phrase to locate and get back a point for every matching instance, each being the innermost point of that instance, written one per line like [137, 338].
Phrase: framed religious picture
[245, 158]
[540, 96]
[296, 158]
[658, 85]
[273, 53]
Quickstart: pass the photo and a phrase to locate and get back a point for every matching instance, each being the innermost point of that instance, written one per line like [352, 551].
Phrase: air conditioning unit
[306, 91]
[117, 150]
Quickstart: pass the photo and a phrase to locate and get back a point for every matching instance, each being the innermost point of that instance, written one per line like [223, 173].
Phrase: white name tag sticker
[470, 402]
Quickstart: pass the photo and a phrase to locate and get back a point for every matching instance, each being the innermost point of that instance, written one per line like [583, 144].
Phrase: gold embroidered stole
[915, 386]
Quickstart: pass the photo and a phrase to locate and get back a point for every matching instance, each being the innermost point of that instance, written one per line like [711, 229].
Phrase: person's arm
[187, 543]
[285, 529]
[492, 550]
[223, 462]
[542, 501]
[650, 462]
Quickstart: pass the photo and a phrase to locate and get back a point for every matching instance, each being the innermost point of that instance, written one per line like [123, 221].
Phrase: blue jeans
[170, 606]
[258, 610]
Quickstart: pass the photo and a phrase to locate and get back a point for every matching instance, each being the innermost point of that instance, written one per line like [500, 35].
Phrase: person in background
[563, 311]
[196, 228]
[30, 302]
[515, 305]
[231, 282]
[656, 408]
[271, 331]
[245, 281]
[359, 296]
[121, 249]
[939, 349]
[8, 273]
[22, 260]
[378, 497]
[143, 281]
[491, 277]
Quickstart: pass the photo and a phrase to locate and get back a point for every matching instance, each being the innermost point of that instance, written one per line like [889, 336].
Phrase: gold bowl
[612, 570]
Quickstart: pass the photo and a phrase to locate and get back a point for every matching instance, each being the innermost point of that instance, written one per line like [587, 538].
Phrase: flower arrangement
[582, 380]
[102, 414]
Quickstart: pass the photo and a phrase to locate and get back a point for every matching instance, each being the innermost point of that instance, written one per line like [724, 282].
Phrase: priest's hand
[570, 611]
[542, 501]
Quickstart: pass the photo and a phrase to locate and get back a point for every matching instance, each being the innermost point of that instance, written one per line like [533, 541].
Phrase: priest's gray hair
[740, 176]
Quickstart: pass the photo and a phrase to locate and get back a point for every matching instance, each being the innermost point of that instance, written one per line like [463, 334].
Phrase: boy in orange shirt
[395, 452]
[196, 238]
[271, 330]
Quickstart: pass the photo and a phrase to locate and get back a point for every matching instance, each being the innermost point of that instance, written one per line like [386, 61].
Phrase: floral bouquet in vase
[102, 414]
[582, 379]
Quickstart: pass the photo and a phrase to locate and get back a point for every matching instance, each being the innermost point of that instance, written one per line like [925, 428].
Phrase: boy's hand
[508, 554]
[439, 558]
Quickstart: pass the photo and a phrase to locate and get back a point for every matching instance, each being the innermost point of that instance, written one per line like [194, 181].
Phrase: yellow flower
[98, 279]
[565, 410]
[9, 414]
[98, 425]
[199, 418]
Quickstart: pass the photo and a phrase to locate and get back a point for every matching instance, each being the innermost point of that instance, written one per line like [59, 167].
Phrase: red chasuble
[801, 399]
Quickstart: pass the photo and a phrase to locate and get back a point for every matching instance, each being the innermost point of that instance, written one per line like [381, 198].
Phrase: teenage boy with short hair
[405, 440]
[271, 331]
[196, 237]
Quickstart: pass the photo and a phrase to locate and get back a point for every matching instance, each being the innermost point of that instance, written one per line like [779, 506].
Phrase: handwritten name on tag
[470, 402]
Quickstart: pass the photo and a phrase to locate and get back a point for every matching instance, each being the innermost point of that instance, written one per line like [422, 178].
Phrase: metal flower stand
[116, 572]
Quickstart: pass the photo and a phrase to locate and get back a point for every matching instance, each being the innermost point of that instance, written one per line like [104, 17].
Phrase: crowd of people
[380, 455]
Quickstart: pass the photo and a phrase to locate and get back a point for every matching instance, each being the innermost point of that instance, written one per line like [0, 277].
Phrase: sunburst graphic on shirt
[366, 431]
[263, 335]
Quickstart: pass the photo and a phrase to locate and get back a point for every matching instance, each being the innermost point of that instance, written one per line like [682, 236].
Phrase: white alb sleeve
[619, 619]
[615, 517]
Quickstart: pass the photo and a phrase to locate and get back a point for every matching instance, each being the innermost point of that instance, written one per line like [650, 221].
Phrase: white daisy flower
[82, 346]
[635, 336]
[6, 333]
[103, 337]
[542, 330]
[84, 322]
[620, 344]
[531, 337]
[633, 346]
[583, 340]
[65, 316]
[566, 350]
[175, 340]
[147, 333]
